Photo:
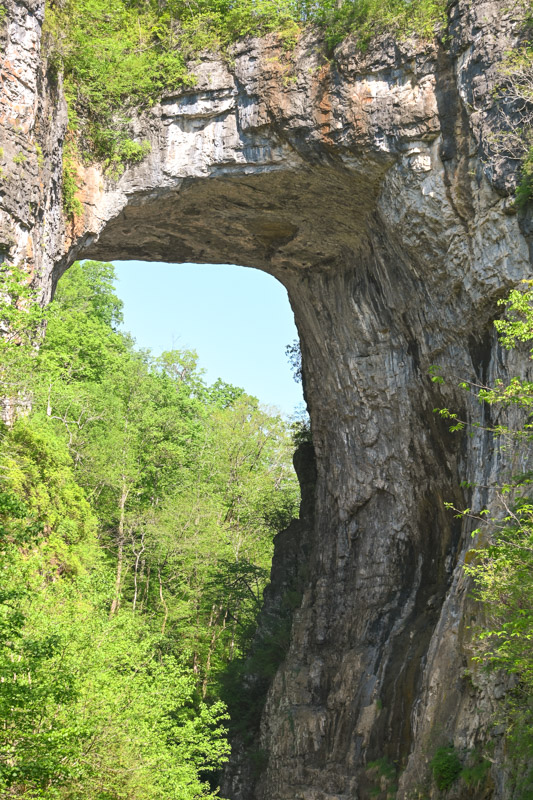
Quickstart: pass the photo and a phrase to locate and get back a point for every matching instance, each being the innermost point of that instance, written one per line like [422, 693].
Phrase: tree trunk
[136, 573]
[144, 600]
[215, 614]
[120, 554]
[163, 603]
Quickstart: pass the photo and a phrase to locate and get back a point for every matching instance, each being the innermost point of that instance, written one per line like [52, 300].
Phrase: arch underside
[276, 221]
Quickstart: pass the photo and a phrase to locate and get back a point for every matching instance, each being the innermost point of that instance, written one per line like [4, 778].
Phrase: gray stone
[366, 186]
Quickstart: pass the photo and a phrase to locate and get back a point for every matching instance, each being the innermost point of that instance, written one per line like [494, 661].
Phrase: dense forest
[137, 511]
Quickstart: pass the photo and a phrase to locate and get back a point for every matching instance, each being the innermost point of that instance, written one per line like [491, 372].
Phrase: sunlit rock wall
[365, 184]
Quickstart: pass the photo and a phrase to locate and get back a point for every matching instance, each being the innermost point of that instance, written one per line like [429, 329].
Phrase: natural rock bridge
[364, 187]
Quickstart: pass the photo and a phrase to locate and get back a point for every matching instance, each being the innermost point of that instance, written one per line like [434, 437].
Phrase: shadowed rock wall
[365, 185]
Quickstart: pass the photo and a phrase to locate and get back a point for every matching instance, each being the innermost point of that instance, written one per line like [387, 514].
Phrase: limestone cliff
[365, 185]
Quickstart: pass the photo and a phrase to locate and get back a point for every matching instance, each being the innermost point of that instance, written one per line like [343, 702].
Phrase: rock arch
[364, 188]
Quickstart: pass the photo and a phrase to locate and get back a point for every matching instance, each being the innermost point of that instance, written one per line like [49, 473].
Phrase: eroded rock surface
[365, 185]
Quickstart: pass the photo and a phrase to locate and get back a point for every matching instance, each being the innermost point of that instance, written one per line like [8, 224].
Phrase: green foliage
[40, 155]
[294, 357]
[367, 19]
[514, 97]
[20, 316]
[111, 54]
[37, 467]
[270, 650]
[301, 424]
[524, 192]
[502, 569]
[21, 323]
[477, 773]
[434, 372]
[137, 511]
[121, 151]
[383, 774]
[383, 767]
[446, 767]
[95, 708]
[517, 326]
[88, 290]
[244, 682]
[3, 19]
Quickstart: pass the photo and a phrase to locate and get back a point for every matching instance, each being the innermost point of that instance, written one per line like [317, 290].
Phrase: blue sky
[237, 319]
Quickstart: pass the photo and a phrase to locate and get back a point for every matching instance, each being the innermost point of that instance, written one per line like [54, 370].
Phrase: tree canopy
[138, 507]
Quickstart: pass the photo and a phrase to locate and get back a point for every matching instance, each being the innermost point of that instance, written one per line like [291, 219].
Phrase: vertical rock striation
[33, 117]
[366, 186]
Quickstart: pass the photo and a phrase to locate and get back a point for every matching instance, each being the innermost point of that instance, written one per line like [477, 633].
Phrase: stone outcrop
[365, 185]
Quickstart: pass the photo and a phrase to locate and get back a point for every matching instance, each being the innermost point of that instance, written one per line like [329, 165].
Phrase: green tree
[513, 143]
[21, 326]
[90, 706]
[137, 511]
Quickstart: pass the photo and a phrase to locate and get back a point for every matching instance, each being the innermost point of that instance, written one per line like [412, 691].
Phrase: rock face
[365, 185]
[33, 118]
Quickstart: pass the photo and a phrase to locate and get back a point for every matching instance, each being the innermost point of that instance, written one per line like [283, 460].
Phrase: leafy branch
[502, 570]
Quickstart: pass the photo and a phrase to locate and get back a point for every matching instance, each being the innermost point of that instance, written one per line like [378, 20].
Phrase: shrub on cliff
[514, 101]
[114, 53]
